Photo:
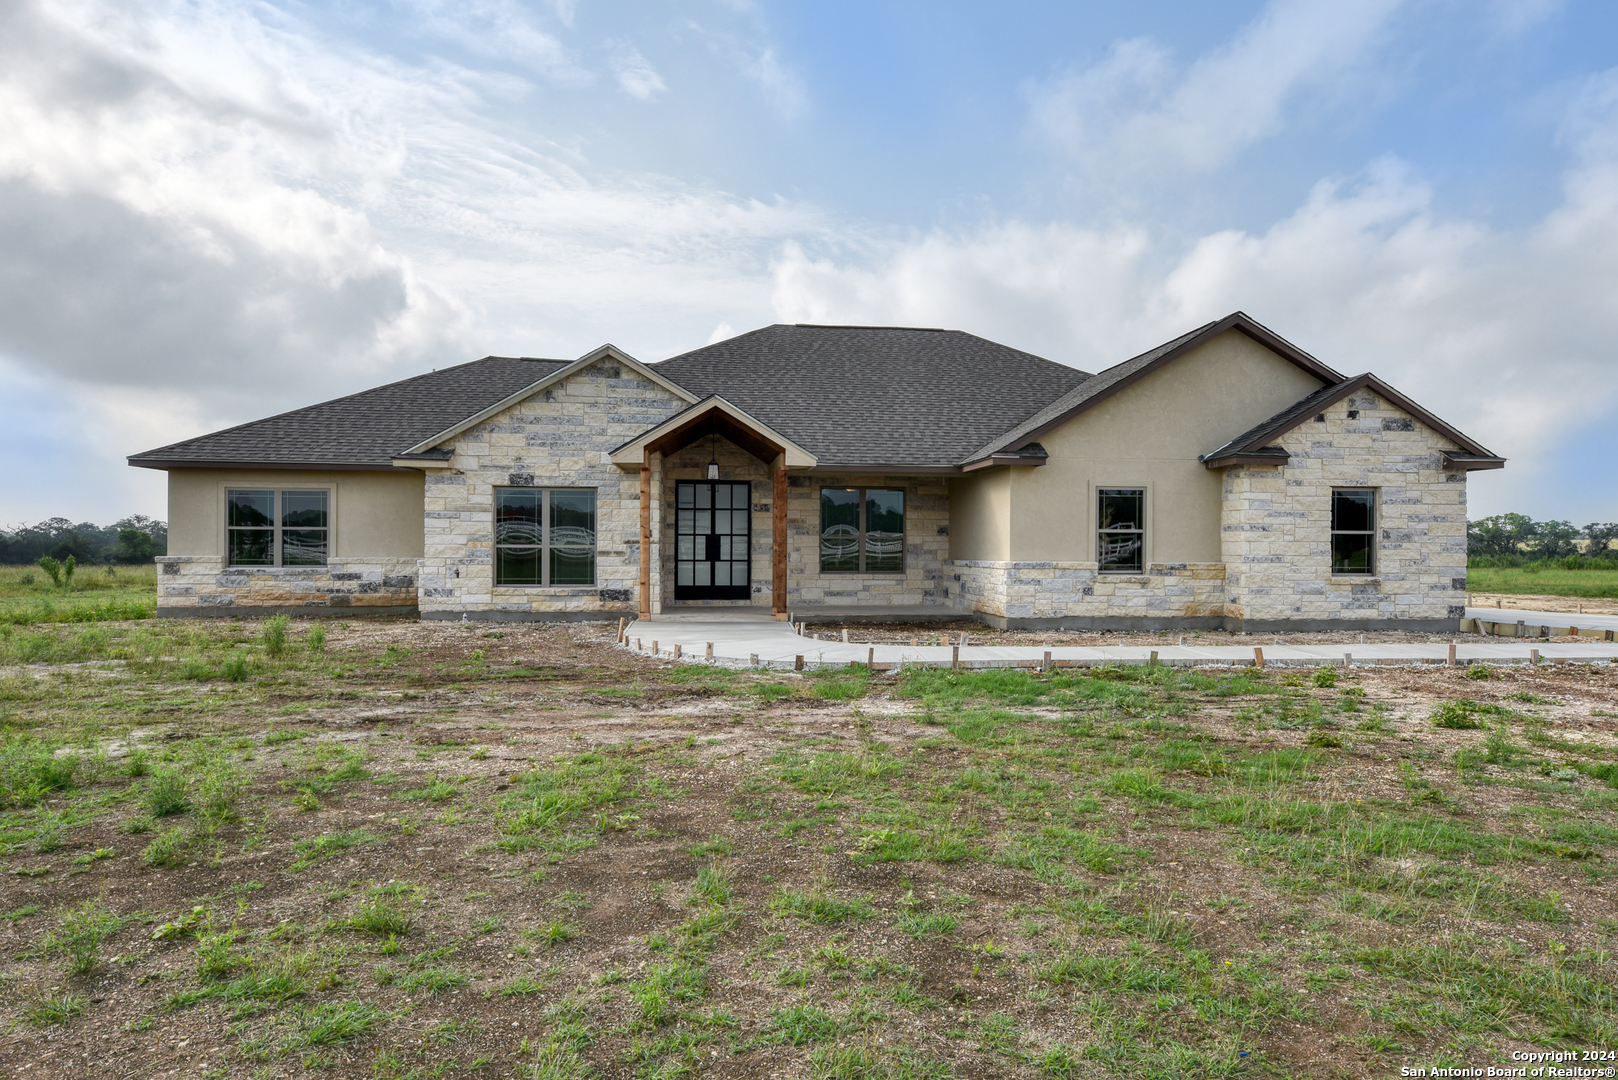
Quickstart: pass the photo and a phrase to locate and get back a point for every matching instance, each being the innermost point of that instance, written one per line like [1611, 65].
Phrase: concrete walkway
[1508, 618]
[741, 637]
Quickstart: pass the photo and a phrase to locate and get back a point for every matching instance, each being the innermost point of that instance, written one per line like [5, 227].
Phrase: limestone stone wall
[1075, 595]
[926, 546]
[561, 437]
[203, 585]
[1276, 524]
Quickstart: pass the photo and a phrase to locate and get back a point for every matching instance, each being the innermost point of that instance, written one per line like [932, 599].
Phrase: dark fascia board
[1032, 454]
[1472, 462]
[1239, 321]
[1269, 455]
[309, 466]
[891, 470]
[1264, 436]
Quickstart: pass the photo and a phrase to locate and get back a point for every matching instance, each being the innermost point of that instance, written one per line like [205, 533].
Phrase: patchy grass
[371, 854]
[1544, 581]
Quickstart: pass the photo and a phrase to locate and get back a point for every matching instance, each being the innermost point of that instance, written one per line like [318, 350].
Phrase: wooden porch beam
[778, 548]
[646, 536]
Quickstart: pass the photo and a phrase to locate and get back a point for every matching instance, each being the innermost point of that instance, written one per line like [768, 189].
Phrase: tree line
[1517, 539]
[135, 539]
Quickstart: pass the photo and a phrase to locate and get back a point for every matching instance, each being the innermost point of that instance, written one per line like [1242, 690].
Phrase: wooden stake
[955, 657]
[621, 625]
[797, 663]
[709, 655]
[1452, 654]
[870, 659]
[676, 650]
[1258, 657]
[1046, 665]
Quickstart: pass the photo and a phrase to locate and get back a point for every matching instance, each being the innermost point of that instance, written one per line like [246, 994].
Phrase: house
[1223, 479]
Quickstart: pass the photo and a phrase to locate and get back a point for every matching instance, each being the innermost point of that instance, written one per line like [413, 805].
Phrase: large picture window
[1120, 530]
[862, 531]
[544, 536]
[1353, 531]
[268, 527]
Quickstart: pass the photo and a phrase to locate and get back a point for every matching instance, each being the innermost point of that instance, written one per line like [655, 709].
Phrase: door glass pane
[250, 508]
[573, 537]
[740, 521]
[683, 574]
[702, 523]
[303, 510]
[1351, 553]
[721, 496]
[738, 573]
[686, 495]
[687, 523]
[704, 496]
[884, 531]
[702, 571]
[251, 547]
[516, 566]
[686, 547]
[1353, 511]
[303, 547]
[839, 530]
[516, 518]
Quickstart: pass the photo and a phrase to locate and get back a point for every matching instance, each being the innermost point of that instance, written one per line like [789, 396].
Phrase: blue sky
[216, 209]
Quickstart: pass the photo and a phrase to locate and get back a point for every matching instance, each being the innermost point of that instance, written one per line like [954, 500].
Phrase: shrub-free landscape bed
[390, 849]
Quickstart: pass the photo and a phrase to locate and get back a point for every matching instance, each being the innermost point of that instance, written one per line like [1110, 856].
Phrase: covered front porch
[736, 515]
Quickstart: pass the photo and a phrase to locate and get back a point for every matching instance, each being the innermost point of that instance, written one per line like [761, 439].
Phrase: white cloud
[636, 76]
[1508, 334]
[721, 333]
[1136, 111]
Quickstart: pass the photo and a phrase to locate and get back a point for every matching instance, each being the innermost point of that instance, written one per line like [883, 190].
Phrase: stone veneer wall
[926, 546]
[1277, 523]
[561, 437]
[189, 585]
[1073, 595]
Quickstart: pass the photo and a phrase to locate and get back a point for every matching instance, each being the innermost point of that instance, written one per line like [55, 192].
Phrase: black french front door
[713, 527]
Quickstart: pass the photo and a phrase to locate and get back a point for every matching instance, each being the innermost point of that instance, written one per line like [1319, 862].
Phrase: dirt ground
[525, 852]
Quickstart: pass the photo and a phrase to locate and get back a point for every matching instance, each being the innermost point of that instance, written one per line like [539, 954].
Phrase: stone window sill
[1357, 579]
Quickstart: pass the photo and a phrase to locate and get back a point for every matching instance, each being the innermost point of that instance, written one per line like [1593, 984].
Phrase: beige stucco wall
[374, 514]
[1149, 435]
[980, 515]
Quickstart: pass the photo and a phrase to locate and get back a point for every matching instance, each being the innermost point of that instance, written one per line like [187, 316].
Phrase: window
[1120, 530]
[544, 537]
[862, 531]
[277, 528]
[1353, 531]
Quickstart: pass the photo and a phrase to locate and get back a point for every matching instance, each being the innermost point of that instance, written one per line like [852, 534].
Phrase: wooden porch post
[646, 536]
[778, 548]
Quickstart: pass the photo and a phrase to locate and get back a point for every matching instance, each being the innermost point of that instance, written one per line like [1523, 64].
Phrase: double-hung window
[1120, 530]
[862, 531]
[544, 536]
[268, 527]
[1353, 531]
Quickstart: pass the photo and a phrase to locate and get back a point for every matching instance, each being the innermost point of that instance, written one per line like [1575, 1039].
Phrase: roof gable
[1254, 446]
[604, 352]
[1105, 384]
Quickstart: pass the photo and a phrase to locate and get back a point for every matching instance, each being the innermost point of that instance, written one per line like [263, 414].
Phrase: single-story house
[1226, 478]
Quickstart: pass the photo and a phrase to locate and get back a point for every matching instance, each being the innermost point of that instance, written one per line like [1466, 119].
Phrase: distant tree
[1600, 537]
[1555, 539]
[1503, 534]
[134, 546]
[86, 542]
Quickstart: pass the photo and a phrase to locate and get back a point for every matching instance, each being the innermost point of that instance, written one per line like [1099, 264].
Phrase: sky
[214, 210]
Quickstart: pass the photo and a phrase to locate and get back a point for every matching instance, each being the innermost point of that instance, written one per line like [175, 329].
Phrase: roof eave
[1472, 462]
[303, 466]
[1254, 458]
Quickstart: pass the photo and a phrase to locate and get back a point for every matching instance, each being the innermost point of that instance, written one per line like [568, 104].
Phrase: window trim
[277, 527]
[901, 570]
[1376, 512]
[545, 538]
[1144, 531]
